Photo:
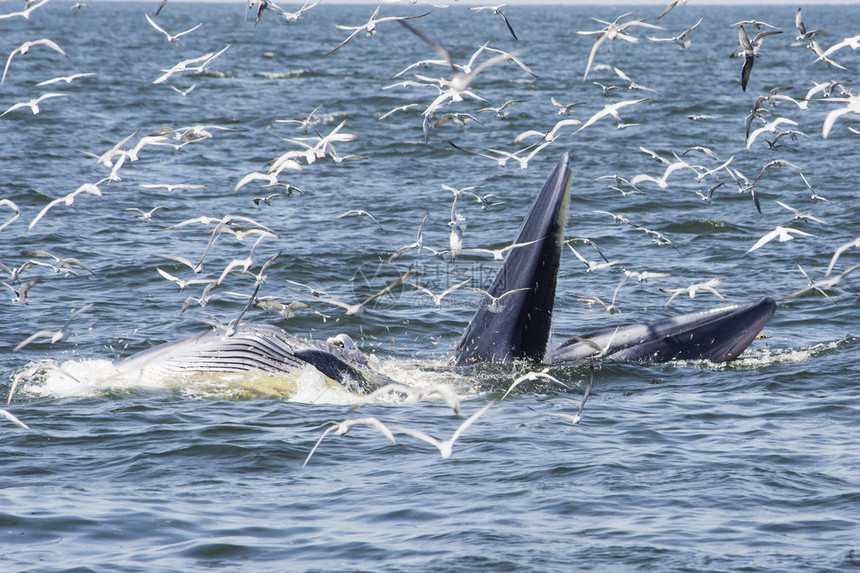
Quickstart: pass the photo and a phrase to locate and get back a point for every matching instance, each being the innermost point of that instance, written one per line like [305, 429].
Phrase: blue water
[688, 466]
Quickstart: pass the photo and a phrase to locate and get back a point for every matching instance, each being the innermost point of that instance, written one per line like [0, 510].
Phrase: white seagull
[342, 428]
[68, 200]
[612, 31]
[25, 47]
[369, 27]
[781, 233]
[445, 446]
[170, 37]
[55, 336]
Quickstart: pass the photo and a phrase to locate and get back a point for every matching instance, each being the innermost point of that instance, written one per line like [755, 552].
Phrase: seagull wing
[765, 239]
[508, 24]
[591, 54]
[32, 337]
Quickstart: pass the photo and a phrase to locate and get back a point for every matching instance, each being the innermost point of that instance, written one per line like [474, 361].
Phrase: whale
[517, 328]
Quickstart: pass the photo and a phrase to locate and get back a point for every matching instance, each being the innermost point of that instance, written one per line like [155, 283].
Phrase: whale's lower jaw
[253, 347]
[720, 334]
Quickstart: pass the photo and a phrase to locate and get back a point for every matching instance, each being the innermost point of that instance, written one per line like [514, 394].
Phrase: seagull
[606, 89]
[285, 310]
[631, 85]
[853, 42]
[460, 80]
[55, 336]
[612, 109]
[512, 57]
[170, 37]
[564, 109]
[799, 215]
[456, 117]
[643, 276]
[33, 104]
[369, 27]
[754, 23]
[445, 63]
[502, 157]
[21, 292]
[69, 200]
[245, 263]
[708, 195]
[500, 111]
[222, 226]
[550, 135]
[841, 249]
[671, 6]
[496, 10]
[534, 376]
[781, 233]
[812, 286]
[293, 17]
[776, 163]
[9, 203]
[25, 47]
[354, 309]
[146, 215]
[769, 126]
[184, 92]
[815, 48]
[186, 65]
[497, 253]
[414, 394]
[305, 123]
[591, 265]
[708, 286]
[612, 31]
[494, 303]
[774, 143]
[170, 187]
[437, 298]
[67, 79]
[853, 106]
[802, 32]
[661, 181]
[342, 428]
[183, 284]
[706, 150]
[750, 51]
[681, 39]
[417, 245]
[405, 107]
[749, 56]
[620, 182]
[823, 284]
[618, 218]
[445, 446]
[63, 263]
[744, 184]
[578, 416]
[26, 12]
[270, 178]
[361, 212]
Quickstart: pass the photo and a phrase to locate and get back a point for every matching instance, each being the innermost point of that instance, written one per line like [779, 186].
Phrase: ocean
[685, 466]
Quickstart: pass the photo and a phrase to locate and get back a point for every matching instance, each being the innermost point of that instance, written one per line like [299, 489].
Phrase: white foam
[87, 378]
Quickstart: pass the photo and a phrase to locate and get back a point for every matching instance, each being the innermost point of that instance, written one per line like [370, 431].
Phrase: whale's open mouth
[513, 322]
